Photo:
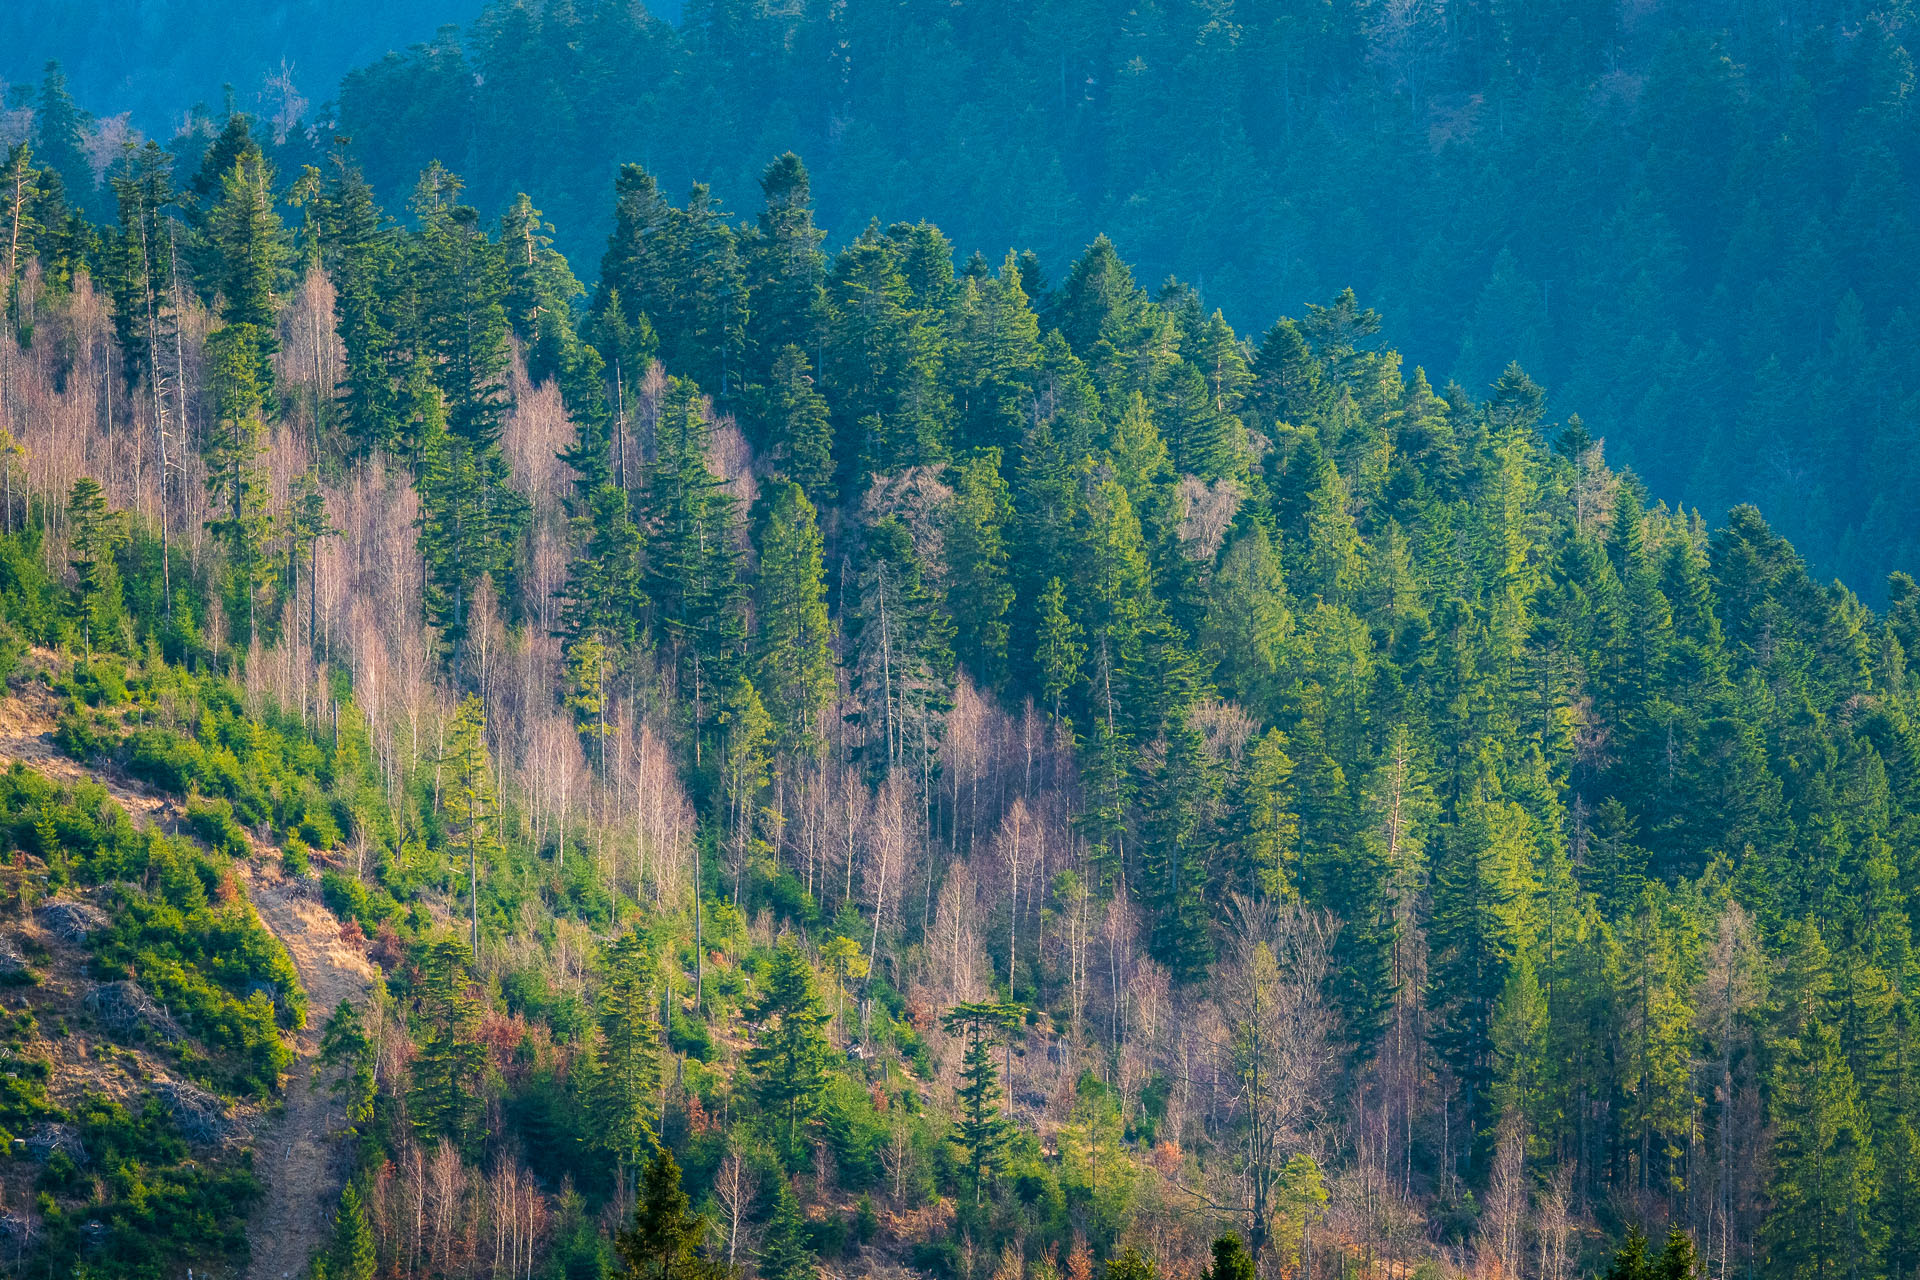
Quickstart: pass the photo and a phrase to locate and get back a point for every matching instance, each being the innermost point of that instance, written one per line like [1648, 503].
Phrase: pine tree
[788, 1060]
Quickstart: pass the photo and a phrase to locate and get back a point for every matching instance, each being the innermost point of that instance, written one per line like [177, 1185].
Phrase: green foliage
[159, 1209]
[788, 1060]
[665, 1240]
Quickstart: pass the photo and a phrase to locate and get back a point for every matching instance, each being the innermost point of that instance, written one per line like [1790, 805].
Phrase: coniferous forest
[558, 730]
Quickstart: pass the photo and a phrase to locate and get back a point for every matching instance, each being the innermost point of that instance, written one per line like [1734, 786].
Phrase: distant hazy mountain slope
[156, 58]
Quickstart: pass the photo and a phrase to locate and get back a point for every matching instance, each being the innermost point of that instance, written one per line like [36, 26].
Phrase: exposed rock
[13, 961]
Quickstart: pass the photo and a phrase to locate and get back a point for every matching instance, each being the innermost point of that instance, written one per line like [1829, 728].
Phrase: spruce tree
[787, 1254]
[798, 429]
[237, 485]
[1179, 833]
[472, 808]
[979, 594]
[666, 1240]
[788, 1059]
[445, 1099]
[625, 1084]
[793, 649]
[1824, 1181]
[980, 1131]
[97, 530]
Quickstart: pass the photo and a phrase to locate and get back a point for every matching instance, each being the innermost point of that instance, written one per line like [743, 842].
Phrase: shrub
[213, 822]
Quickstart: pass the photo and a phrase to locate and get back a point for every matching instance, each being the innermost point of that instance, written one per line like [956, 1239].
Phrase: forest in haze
[890, 733]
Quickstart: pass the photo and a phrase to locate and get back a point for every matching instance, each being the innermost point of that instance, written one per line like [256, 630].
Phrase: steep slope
[296, 1154]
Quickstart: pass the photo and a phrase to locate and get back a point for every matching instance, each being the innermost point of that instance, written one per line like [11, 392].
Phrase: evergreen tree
[786, 282]
[347, 1051]
[978, 592]
[666, 1240]
[1482, 919]
[788, 1060]
[445, 1099]
[1061, 652]
[898, 642]
[693, 571]
[1824, 1180]
[799, 432]
[97, 531]
[352, 1255]
[625, 1084]
[237, 485]
[1268, 826]
[981, 1132]
[1178, 834]
[787, 1254]
[472, 807]
[249, 244]
[794, 646]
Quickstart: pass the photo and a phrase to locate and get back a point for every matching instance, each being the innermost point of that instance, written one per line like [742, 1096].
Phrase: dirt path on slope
[296, 1156]
[299, 1159]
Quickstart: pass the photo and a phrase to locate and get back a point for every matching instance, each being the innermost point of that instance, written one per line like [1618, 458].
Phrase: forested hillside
[1691, 222]
[899, 760]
